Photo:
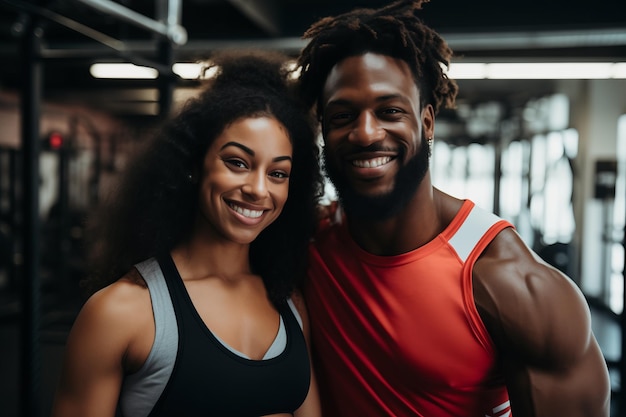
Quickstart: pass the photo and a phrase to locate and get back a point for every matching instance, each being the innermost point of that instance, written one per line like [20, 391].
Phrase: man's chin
[376, 207]
[369, 197]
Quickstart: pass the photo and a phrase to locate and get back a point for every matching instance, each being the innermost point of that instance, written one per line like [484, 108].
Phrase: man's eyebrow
[251, 152]
[385, 97]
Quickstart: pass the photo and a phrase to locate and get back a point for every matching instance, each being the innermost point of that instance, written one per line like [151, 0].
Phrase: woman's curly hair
[393, 30]
[153, 208]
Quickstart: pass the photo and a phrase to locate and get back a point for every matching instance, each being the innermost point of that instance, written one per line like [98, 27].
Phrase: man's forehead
[379, 74]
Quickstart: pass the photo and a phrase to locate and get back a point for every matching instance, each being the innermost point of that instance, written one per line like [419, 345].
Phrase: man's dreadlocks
[393, 30]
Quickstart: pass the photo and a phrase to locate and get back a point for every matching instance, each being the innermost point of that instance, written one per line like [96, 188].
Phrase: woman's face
[245, 178]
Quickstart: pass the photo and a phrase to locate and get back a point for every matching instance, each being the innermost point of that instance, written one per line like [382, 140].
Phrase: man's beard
[383, 206]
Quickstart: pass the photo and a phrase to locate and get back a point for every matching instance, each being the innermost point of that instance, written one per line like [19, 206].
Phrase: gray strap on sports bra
[141, 390]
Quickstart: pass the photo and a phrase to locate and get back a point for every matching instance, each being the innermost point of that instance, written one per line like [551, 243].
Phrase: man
[423, 304]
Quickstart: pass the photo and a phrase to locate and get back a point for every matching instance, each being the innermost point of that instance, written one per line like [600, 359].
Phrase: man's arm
[541, 326]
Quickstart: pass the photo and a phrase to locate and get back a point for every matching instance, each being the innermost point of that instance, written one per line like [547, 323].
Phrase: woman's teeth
[253, 214]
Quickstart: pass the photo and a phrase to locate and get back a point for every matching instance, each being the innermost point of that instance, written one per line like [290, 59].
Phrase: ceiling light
[473, 71]
[458, 70]
[189, 71]
[619, 70]
[550, 71]
[537, 70]
[122, 71]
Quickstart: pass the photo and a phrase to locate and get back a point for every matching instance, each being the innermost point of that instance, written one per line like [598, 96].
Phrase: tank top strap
[476, 225]
[141, 390]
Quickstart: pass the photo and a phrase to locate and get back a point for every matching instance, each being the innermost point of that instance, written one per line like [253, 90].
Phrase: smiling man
[422, 304]
[379, 178]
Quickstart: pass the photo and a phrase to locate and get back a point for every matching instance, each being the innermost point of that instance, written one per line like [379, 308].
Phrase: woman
[207, 322]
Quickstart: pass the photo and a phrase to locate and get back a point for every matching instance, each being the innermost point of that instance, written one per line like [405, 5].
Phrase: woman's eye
[237, 163]
[279, 174]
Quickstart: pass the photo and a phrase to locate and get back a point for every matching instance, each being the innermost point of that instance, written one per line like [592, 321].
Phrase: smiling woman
[206, 233]
[245, 179]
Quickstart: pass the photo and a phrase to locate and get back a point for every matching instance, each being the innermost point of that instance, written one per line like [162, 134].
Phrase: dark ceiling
[74, 34]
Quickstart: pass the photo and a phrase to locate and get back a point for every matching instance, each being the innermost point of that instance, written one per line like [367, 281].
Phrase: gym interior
[546, 150]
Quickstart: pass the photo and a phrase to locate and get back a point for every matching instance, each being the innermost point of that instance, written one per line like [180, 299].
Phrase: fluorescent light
[200, 70]
[538, 70]
[295, 70]
[195, 70]
[468, 71]
[550, 71]
[619, 70]
[189, 71]
[122, 71]
[186, 70]
[458, 70]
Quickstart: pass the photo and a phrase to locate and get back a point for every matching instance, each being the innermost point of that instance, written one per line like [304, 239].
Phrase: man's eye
[391, 111]
[340, 119]
[341, 116]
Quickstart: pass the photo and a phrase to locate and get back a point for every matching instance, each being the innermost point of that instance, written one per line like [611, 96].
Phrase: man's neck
[415, 225]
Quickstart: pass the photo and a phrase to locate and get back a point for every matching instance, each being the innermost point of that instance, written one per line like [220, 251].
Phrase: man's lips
[371, 162]
[370, 165]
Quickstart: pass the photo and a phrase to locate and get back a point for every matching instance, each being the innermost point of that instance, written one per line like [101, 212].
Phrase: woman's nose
[256, 185]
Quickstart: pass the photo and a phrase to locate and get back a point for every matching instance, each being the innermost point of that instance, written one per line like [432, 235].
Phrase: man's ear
[428, 121]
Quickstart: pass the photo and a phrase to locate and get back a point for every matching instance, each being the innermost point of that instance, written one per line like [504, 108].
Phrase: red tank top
[400, 335]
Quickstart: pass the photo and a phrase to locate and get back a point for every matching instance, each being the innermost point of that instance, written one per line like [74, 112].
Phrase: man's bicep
[553, 362]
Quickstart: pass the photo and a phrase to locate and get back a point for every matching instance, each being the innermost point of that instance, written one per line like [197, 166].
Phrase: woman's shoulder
[113, 324]
[117, 302]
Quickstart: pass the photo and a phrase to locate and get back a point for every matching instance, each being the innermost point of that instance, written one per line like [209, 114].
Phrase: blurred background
[538, 136]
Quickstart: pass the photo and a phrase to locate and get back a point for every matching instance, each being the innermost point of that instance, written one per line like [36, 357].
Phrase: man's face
[375, 152]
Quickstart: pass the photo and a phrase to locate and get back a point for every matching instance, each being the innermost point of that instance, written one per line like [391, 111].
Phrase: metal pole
[170, 12]
[172, 31]
[166, 81]
[64, 218]
[497, 174]
[14, 219]
[30, 112]
[622, 360]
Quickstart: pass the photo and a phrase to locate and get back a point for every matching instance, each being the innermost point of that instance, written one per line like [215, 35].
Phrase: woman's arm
[96, 352]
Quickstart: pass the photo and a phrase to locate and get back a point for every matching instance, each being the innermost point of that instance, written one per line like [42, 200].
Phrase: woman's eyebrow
[251, 152]
[240, 146]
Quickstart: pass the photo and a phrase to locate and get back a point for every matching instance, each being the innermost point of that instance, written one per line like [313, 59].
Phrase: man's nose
[367, 130]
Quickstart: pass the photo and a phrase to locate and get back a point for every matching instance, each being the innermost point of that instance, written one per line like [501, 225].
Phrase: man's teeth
[246, 212]
[371, 163]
